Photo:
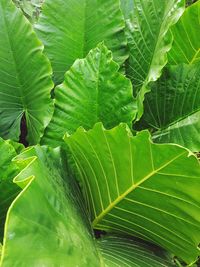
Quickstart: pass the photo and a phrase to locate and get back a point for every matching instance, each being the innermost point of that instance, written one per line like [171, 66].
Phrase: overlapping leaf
[25, 82]
[186, 44]
[149, 40]
[93, 91]
[136, 187]
[8, 190]
[119, 251]
[69, 29]
[46, 219]
[43, 225]
[172, 109]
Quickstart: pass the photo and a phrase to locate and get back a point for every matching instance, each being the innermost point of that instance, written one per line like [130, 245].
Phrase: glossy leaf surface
[93, 91]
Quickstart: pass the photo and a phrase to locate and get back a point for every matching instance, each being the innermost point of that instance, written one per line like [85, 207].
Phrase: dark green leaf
[149, 40]
[172, 108]
[25, 77]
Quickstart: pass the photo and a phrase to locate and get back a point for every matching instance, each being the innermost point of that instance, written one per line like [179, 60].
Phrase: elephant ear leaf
[70, 29]
[93, 91]
[186, 45]
[149, 39]
[133, 186]
[48, 211]
[172, 108]
[25, 77]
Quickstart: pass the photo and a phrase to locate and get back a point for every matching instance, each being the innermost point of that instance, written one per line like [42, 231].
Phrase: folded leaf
[8, 190]
[186, 45]
[25, 77]
[172, 108]
[69, 29]
[93, 91]
[120, 251]
[44, 227]
[149, 40]
[134, 186]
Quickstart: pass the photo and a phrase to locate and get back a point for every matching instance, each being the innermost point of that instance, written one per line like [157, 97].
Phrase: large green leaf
[43, 225]
[69, 29]
[186, 45]
[25, 82]
[119, 251]
[172, 108]
[8, 190]
[46, 224]
[149, 40]
[93, 91]
[140, 188]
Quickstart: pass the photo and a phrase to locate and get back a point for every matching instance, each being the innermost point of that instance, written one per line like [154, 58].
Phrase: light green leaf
[119, 251]
[149, 40]
[25, 77]
[186, 45]
[134, 186]
[93, 91]
[8, 190]
[69, 29]
[44, 227]
[48, 219]
[172, 108]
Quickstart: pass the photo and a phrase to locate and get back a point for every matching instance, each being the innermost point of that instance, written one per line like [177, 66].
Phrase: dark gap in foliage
[23, 131]
[190, 2]
[99, 233]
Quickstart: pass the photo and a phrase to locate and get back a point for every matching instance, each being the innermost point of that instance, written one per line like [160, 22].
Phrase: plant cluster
[99, 130]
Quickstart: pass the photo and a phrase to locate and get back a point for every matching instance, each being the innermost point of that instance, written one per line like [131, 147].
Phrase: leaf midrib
[14, 59]
[129, 190]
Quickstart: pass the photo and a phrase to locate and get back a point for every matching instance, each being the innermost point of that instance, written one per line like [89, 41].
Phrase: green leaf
[43, 225]
[119, 251]
[8, 190]
[93, 91]
[172, 108]
[69, 29]
[133, 186]
[149, 40]
[186, 45]
[48, 218]
[25, 77]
